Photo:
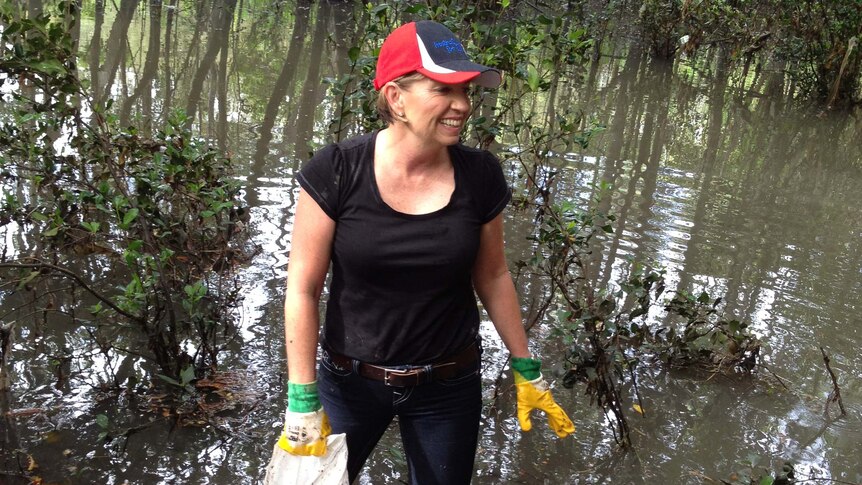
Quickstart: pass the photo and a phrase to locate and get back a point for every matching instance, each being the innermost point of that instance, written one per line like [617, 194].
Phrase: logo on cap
[451, 45]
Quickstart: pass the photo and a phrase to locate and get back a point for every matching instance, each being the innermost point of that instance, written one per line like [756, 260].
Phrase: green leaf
[102, 421]
[701, 343]
[353, 53]
[12, 28]
[49, 66]
[27, 117]
[533, 78]
[38, 216]
[27, 279]
[96, 309]
[187, 375]
[130, 216]
[169, 380]
[380, 10]
[767, 480]
[733, 326]
[637, 312]
[51, 232]
[91, 226]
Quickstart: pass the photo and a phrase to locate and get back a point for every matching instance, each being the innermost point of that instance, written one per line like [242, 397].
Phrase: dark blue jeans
[439, 421]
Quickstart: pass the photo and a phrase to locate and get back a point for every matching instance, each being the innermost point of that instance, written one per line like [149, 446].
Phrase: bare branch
[835, 395]
[74, 276]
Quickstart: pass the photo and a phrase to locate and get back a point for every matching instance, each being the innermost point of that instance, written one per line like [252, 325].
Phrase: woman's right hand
[305, 433]
[306, 425]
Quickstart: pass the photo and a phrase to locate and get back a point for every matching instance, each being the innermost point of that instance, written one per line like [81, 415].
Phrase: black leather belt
[448, 368]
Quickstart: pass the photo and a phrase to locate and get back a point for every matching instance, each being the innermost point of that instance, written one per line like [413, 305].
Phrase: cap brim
[465, 71]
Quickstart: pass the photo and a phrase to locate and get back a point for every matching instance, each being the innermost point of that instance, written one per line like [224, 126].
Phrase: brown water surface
[726, 182]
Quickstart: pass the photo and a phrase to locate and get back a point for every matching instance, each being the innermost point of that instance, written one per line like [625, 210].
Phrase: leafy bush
[162, 213]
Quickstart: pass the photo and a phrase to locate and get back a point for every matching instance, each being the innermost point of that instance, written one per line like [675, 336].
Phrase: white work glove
[305, 433]
[306, 426]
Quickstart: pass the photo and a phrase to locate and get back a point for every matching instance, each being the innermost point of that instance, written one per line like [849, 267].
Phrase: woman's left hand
[534, 393]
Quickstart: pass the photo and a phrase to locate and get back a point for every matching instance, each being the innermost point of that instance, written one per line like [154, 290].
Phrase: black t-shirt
[401, 289]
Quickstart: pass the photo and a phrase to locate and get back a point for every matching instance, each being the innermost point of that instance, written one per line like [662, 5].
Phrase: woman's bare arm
[494, 286]
[310, 251]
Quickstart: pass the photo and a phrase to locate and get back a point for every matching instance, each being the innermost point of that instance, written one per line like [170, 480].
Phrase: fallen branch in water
[835, 395]
[776, 376]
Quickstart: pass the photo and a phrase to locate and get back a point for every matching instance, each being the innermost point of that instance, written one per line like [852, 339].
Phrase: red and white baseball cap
[433, 50]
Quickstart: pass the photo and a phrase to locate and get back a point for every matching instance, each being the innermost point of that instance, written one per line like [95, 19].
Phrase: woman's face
[436, 112]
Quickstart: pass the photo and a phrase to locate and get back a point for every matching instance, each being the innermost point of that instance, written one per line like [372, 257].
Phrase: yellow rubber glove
[534, 393]
[306, 425]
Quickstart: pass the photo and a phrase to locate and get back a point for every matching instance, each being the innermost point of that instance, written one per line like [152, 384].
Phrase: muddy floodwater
[726, 182]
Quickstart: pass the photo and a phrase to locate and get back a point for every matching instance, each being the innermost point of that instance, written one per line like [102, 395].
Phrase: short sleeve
[495, 192]
[321, 178]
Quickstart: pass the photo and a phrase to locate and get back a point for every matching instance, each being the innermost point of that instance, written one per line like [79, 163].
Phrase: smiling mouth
[451, 123]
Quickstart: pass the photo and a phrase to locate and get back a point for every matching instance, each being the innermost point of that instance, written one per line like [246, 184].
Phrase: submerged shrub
[100, 204]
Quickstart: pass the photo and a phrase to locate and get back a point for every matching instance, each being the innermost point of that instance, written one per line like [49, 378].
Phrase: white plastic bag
[329, 469]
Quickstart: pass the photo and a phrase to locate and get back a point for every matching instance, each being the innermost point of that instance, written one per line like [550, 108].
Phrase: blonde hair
[384, 111]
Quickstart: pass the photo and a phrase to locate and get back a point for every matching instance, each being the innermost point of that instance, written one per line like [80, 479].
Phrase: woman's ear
[392, 94]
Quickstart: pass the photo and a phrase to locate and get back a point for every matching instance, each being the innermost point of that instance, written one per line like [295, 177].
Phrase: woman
[411, 223]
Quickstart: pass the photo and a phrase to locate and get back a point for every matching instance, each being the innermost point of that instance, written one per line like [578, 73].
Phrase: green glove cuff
[302, 398]
[530, 369]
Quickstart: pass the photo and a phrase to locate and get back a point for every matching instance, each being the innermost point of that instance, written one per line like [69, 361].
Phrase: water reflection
[721, 179]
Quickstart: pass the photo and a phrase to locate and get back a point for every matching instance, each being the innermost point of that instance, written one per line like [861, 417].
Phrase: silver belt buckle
[388, 373]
